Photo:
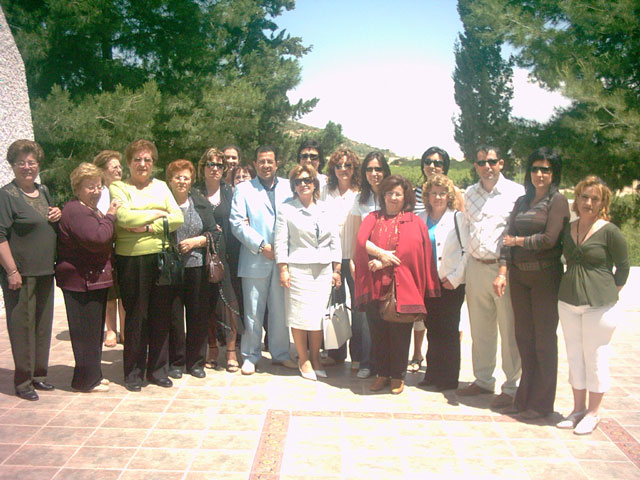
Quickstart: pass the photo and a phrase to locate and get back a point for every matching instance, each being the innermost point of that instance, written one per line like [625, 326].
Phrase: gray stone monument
[15, 113]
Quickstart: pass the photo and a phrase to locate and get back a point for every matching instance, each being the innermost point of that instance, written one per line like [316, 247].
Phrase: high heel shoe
[308, 375]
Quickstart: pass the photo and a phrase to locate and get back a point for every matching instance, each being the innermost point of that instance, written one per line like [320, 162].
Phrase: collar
[272, 187]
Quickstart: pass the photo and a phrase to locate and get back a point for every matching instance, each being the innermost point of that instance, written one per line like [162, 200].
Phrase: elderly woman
[221, 315]
[307, 251]
[109, 162]
[190, 351]
[84, 273]
[592, 246]
[242, 173]
[449, 237]
[393, 246]
[531, 252]
[373, 171]
[146, 202]
[232, 159]
[27, 252]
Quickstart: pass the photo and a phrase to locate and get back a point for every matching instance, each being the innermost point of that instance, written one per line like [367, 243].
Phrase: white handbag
[336, 326]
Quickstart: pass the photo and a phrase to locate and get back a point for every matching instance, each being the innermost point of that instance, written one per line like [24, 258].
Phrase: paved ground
[275, 425]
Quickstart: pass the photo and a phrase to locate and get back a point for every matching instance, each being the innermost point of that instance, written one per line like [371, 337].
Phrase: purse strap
[455, 222]
[165, 232]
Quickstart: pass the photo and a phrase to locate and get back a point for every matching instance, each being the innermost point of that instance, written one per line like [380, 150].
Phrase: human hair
[266, 149]
[365, 189]
[296, 171]
[391, 182]
[178, 166]
[605, 194]
[83, 171]
[138, 146]
[487, 149]
[314, 144]
[24, 147]
[236, 148]
[248, 168]
[335, 158]
[555, 161]
[440, 180]
[104, 157]
[444, 156]
[209, 154]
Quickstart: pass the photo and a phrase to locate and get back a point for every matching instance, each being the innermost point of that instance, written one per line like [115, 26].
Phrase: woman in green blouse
[592, 246]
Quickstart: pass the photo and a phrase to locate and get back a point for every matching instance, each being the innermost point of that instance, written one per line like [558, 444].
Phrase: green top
[589, 279]
[137, 211]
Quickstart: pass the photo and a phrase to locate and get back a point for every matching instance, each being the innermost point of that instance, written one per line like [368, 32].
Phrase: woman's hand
[500, 285]
[509, 241]
[375, 265]
[188, 244]
[115, 205]
[142, 229]
[336, 279]
[447, 284]
[285, 278]
[15, 281]
[388, 258]
[159, 213]
[54, 214]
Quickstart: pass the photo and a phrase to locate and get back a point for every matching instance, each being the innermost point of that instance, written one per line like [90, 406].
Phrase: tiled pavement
[275, 425]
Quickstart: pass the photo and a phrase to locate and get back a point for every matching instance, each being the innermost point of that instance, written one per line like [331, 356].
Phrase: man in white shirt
[488, 205]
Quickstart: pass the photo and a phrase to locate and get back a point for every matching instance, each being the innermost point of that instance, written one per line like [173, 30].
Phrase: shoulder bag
[215, 267]
[336, 327]
[389, 307]
[170, 266]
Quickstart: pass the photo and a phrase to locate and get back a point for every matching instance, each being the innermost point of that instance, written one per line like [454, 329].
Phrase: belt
[487, 262]
[535, 266]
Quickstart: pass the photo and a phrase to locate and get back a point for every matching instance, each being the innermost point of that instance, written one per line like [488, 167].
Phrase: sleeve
[458, 275]
[557, 217]
[92, 233]
[244, 232]
[336, 244]
[174, 214]
[617, 247]
[127, 216]
[505, 252]
[6, 216]
[281, 237]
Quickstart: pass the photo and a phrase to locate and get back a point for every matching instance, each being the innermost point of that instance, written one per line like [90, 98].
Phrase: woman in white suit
[449, 238]
[309, 258]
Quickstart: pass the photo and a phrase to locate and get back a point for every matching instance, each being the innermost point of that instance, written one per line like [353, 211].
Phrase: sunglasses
[305, 180]
[214, 165]
[373, 169]
[344, 166]
[493, 162]
[436, 163]
[544, 170]
[310, 156]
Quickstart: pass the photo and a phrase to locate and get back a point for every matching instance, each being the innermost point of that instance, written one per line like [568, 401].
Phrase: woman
[449, 237]
[531, 250]
[232, 159]
[310, 153]
[27, 253]
[84, 273]
[146, 202]
[307, 251]
[219, 194]
[393, 246]
[592, 246]
[373, 171]
[109, 162]
[242, 173]
[190, 352]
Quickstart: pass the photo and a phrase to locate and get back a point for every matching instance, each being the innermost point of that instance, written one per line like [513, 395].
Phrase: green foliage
[459, 173]
[625, 208]
[631, 232]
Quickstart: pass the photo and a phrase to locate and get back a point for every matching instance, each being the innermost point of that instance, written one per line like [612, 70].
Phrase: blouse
[192, 227]
[589, 279]
[362, 210]
[339, 207]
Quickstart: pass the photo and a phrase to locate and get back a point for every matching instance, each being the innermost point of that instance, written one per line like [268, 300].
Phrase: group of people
[409, 258]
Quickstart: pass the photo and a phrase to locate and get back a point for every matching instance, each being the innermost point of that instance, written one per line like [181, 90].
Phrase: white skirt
[305, 301]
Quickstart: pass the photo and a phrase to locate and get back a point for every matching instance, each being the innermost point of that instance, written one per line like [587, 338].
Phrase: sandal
[111, 342]
[232, 363]
[212, 359]
[414, 366]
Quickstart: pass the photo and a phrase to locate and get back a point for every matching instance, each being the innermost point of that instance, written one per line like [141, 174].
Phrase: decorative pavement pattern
[275, 425]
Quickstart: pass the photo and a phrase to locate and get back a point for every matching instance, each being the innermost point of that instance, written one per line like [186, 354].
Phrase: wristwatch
[261, 248]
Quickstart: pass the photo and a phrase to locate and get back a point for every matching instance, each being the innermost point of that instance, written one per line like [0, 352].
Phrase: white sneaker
[363, 373]
[587, 425]
[248, 368]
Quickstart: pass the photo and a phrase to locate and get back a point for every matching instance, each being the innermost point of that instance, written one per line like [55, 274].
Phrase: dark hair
[391, 182]
[314, 144]
[266, 149]
[365, 190]
[177, 166]
[443, 155]
[209, 155]
[138, 146]
[23, 147]
[551, 156]
[295, 173]
[249, 168]
[335, 158]
[236, 148]
[487, 149]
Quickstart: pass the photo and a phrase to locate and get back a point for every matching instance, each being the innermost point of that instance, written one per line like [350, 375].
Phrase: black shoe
[448, 386]
[133, 387]
[161, 382]
[197, 372]
[43, 386]
[175, 373]
[31, 395]
[426, 382]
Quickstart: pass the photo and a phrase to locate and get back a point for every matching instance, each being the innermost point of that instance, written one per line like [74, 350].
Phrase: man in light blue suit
[253, 219]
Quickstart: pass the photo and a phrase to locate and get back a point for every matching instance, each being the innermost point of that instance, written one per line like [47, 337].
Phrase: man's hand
[268, 251]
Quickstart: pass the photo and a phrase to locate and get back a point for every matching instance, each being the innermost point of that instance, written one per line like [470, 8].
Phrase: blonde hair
[605, 194]
[83, 171]
[296, 171]
[104, 157]
[440, 180]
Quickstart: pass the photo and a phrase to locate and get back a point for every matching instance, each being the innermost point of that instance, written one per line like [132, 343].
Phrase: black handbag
[170, 266]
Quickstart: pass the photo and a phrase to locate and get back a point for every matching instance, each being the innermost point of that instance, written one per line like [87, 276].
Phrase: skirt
[305, 301]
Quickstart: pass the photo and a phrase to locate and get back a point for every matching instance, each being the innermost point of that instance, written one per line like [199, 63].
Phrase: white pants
[587, 333]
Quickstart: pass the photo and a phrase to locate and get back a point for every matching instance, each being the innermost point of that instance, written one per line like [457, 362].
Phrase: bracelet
[12, 273]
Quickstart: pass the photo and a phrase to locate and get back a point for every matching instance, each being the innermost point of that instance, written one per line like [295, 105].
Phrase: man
[488, 204]
[253, 218]
[310, 153]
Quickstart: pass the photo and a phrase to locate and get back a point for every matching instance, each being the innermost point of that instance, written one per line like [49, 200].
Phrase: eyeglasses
[22, 164]
[305, 180]
[438, 194]
[309, 156]
[543, 170]
[231, 157]
[143, 160]
[214, 165]
[182, 178]
[344, 166]
[436, 163]
[491, 161]
[373, 169]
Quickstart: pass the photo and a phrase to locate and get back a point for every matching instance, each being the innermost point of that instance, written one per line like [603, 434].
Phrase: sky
[383, 70]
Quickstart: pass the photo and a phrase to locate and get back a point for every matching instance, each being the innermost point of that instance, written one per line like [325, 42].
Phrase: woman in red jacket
[84, 273]
[393, 246]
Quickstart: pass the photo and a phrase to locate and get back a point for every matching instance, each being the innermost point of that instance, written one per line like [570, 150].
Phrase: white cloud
[531, 101]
